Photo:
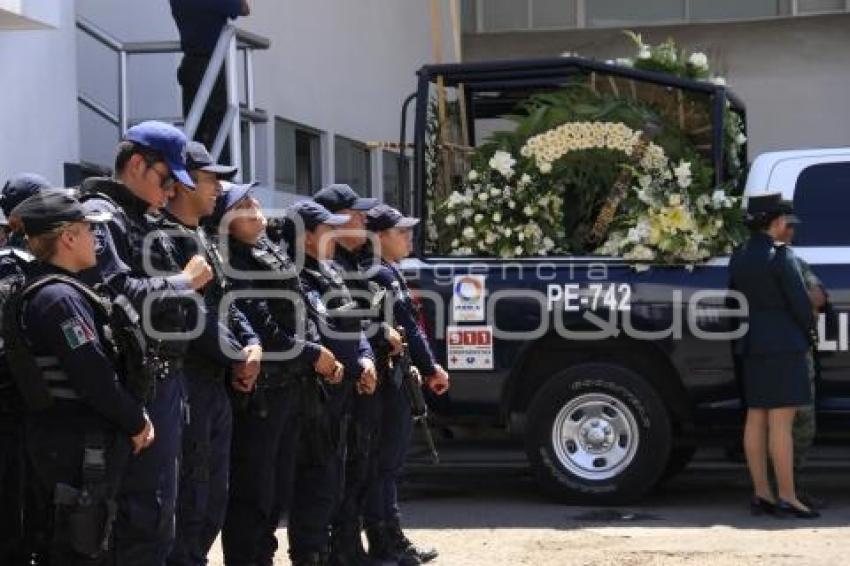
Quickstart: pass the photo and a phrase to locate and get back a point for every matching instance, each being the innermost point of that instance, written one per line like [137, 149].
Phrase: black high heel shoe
[759, 506]
[785, 509]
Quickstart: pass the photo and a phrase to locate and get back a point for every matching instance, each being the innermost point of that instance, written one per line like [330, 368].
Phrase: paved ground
[495, 516]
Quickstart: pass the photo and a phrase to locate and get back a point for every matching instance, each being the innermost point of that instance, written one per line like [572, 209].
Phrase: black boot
[406, 548]
[347, 548]
[312, 559]
[383, 549]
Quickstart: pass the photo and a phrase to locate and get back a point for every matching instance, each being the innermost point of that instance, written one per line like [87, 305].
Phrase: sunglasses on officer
[166, 180]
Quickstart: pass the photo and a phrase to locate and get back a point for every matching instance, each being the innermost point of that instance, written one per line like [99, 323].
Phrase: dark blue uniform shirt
[275, 323]
[326, 292]
[200, 22]
[233, 330]
[60, 322]
[388, 277]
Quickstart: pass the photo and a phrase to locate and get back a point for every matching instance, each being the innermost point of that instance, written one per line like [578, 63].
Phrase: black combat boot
[382, 547]
[347, 548]
[404, 547]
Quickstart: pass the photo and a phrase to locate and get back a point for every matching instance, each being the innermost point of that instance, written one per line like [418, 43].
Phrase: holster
[316, 437]
[83, 519]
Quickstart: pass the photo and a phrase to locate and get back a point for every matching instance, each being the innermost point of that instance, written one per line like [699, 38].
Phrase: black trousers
[189, 75]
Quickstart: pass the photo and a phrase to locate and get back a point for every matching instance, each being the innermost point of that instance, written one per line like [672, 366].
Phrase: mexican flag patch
[76, 333]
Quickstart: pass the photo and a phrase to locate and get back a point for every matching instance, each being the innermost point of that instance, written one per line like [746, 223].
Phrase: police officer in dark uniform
[137, 260]
[81, 422]
[363, 439]
[14, 263]
[319, 484]
[286, 400]
[393, 240]
[227, 349]
[773, 352]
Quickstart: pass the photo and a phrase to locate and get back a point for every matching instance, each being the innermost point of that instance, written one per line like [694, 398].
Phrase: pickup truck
[612, 376]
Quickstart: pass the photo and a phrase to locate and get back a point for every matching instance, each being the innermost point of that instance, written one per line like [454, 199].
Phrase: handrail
[224, 55]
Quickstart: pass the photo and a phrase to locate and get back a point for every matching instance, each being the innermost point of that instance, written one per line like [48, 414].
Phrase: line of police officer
[216, 381]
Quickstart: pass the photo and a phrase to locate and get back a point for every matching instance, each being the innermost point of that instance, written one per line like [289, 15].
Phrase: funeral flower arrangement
[543, 188]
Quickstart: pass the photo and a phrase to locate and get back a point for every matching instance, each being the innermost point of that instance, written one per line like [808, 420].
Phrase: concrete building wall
[793, 74]
[336, 66]
[38, 107]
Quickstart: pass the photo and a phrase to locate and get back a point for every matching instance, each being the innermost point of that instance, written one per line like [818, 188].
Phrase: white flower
[644, 53]
[641, 267]
[467, 213]
[451, 220]
[528, 210]
[525, 179]
[518, 250]
[675, 199]
[478, 218]
[497, 217]
[698, 60]
[718, 198]
[495, 192]
[625, 62]
[482, 197]
[718, 223]
[511, 204]
[548, 244]
[503, 162]
[490, 237]
[455, 243]
[719, 81]
[469, 233]
[520, 237]
[545, 168]
[740, 139]
[507, 232]
[645, 181]
[683, 174]
[473, 175]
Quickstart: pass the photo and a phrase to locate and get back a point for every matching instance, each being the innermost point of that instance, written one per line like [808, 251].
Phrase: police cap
[199, 159]
[19, 188]
[51, 208]
[342, 197]
[384, 217]
[167, 140]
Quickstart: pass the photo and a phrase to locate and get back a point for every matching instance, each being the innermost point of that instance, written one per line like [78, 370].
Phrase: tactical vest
[41, 378]
[14, 266]
[162, 257]
[268, 257]
[330, 299]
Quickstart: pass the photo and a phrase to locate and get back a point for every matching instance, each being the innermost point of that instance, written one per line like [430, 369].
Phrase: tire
[679, 459]
[613, 432]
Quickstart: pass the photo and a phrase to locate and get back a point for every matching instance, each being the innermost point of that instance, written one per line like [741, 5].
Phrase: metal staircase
[232, 43]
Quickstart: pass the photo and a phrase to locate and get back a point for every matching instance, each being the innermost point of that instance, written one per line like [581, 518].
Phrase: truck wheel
[679, 459]
[598, 433]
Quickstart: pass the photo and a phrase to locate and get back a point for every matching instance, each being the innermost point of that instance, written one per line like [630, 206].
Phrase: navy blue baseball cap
[342, 197]
[49, 209]
[19, 188]
[167, 140]
[312, 214]
[384, 217]
[199, 159]
[230, 196]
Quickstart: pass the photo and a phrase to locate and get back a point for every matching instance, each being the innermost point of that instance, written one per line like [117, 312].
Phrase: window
[608, 13]
[737, 10]
[820, 6]
[353, 165]
[393, 194]
[298, 161]
[513, 15]
[822, 202]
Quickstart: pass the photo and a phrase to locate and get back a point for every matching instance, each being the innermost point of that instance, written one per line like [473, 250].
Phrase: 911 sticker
[470, 347]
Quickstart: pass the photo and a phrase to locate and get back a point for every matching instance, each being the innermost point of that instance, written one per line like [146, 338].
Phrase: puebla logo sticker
[468, 296]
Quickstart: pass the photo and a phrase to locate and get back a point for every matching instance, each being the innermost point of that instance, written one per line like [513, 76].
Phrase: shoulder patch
[77, 333]
[99, 231]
